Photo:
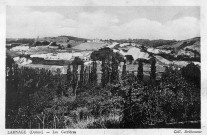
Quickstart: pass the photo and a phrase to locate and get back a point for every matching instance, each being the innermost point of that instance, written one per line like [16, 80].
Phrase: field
[45, 50]
[89, 46]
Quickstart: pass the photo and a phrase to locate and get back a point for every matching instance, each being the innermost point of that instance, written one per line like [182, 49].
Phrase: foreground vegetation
[39, 99]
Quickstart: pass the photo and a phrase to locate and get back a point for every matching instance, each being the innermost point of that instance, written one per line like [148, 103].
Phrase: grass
[111, 121]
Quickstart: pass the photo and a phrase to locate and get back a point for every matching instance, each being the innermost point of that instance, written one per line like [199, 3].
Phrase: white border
[201, 3]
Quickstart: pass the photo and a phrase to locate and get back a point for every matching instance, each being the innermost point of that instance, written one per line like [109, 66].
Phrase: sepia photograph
[103, 67]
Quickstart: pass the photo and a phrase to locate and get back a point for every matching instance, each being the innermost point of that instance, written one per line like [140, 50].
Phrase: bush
[192, 73]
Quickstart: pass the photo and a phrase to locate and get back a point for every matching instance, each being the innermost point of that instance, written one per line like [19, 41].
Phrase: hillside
[147, 42]
[155, 43]
[193, 43]
[74, 38]
[11, 54]
[29, 41]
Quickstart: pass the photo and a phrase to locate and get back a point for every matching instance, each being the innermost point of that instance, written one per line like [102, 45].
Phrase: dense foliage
[172, 57]
[36, 98]
[21, 41]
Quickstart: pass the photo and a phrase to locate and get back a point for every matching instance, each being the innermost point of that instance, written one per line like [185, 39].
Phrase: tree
[9, 61]
[140, 71]
[54, 44]
[94, 73]
[75, 77]
[124, 70]
[77, 61]
[45, 43]
[82, 74]
[129, 58]
[153, 69]
[103, 53]
[69, 46]
[37, 43]
[115, 71]
[192, 73]
[107, 56]
[69, 74]
[143, 49]
[103, 69]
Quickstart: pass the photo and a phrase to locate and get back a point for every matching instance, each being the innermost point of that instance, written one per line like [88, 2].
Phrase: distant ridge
[192, 43]
[73, 38]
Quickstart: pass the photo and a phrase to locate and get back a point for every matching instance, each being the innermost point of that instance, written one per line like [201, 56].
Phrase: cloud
[98, 19]
[24, 22]
[182, 28]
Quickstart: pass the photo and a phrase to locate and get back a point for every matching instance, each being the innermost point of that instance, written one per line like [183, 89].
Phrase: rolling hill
[74, 38]
[193, 44]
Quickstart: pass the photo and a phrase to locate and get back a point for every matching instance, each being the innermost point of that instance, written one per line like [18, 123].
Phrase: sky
[110, 22]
